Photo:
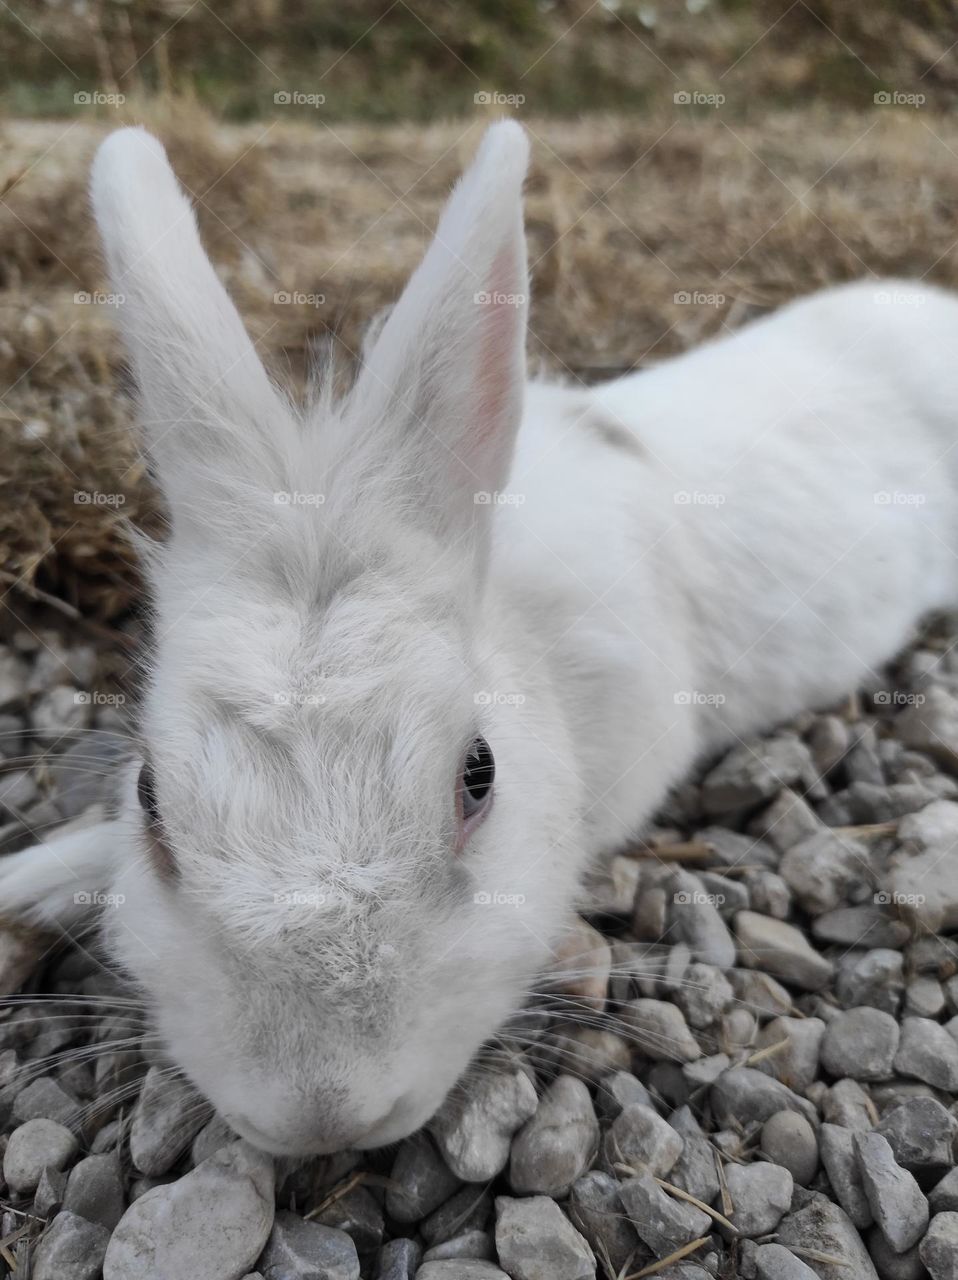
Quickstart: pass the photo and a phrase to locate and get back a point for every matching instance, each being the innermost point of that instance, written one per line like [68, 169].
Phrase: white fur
[325, 964]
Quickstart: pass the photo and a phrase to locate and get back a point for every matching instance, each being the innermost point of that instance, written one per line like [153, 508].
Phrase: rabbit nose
[299, 1137]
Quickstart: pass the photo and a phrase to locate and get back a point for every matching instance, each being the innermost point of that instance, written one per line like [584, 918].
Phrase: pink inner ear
[499, 369]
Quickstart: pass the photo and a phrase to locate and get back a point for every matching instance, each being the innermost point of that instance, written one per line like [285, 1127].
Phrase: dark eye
[478, 774]
[146, 794]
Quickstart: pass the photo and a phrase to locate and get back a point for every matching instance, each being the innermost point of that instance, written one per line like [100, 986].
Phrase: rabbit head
[332, 903]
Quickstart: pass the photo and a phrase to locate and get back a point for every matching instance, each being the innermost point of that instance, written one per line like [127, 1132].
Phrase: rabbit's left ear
[447, 372]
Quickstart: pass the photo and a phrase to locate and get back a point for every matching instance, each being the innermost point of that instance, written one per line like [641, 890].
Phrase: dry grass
[623, 215]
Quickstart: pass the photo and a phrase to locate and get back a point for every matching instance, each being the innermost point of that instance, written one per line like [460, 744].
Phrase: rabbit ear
[447, 371]
[207, 404]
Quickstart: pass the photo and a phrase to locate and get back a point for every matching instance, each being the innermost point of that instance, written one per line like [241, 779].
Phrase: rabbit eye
[478, 774]
[146, 794]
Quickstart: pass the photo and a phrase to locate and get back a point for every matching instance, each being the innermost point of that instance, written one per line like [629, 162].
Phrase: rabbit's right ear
[207, 406]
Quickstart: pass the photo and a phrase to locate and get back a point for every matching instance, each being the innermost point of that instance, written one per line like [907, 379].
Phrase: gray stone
[558, 1144]
[795, 1064]
[944, 1196]
[536, 1241]
[822, 869]
[694, 1171]
[847, 1104]
[422, 1180]
[641, 1139]
[704, 995]
[661, 1222]
[474, 1132]
[58, 713]
[213, 1222]
[775, 1262]
[873, 978]
[44, 1099]
[754, 772]
[823, 1228]
[695, 915]
[895, 1199]
[616, 1091]
[787, 821]
[467, 1210]
[596, 1210]
[840, 1159]
[760, 993]
[18, 791]
[743, 1096]
[929, 1053]
[781, 950]
[705, 1071]
[34, 1146]
[215, 1134]
[660, 1031]
[860, 1044]
[71, 1248]
[921, 1134]
[768, 893]
[939, 1249]
[891, 1265]
[789, 1140]
[461, 1269]
[867, 925]
[300, 1250]
[828, 741]
[924, 997]
[357, 1213]
[732, 849]
[50, 1192]
[473, 1245]
[95, 1190]
[168, 1115]
[399, 1259]
[761, 1195]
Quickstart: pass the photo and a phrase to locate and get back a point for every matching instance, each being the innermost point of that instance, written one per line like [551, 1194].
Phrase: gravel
[781, 1012]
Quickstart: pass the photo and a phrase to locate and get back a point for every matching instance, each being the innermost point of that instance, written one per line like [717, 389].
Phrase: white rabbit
[325, 919]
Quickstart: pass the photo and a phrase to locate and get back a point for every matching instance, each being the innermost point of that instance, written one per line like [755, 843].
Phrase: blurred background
[694, 164]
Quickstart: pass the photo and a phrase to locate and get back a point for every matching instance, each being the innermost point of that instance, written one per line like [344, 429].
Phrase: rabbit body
[603, 584]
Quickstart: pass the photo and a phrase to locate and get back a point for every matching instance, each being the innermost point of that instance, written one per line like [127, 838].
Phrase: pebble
[50, 1192]
[297, 1248]
[828, 742]
[695, 917]
[891, 1265]
[743, 1096]
[467, 1210]
[762, 994]
[924, 997]
[789, 1140]
[847, 1104]
[595, 1209]
[210, 1138]
[94, 1190]
[754, 772]
[787, 821]
[867, 925]
[660, 1031]
[704, 994]
[922, 1136]
[71, 1248]
[558, 1144]
[168, 1115]
[945, 1193]
[768, 893]
[617, 1091]
[694, 1171]
[895, 1198]
[590, 1052]
[796, 1064]
[398, 1260]
[44, 1099]
[872, 977]
[775, 1262]
[822, 869]
[640, 1138]
[929, 1053]
[781, 950]
[34, 1146]
[939, 1249]
[460, 1269]
[860, 1044]
[471, 1244]
[474, 1133]
[422, 1180]
[213, 1222]
[823, 1227]
[59, 712]
[357, 1213]
[840, 1159]
[581, 965]
[661, 1222]
[536, 1241]
[761, 1194]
